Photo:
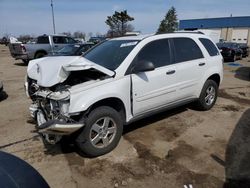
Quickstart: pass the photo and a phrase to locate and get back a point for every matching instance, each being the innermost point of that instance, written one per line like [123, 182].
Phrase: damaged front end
[51, 111]
[48, 84]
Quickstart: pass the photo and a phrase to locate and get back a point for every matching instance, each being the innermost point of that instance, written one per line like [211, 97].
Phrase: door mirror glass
[143, 66]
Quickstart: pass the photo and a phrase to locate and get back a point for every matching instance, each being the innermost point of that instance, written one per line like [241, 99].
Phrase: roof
[137, 37]
[209, 23]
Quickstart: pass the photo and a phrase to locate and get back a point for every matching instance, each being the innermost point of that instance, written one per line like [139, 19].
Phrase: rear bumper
[20, 56]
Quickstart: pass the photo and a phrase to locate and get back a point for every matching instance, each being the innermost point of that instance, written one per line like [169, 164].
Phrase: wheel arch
[112, 102]
[40, 51]
[216, 78]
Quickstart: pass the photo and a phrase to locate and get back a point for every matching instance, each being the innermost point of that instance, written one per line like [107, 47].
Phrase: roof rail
[194, 32]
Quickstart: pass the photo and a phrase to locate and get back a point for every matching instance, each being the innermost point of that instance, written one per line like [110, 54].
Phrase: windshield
[69, 49]
[111, 54]
[227, 45]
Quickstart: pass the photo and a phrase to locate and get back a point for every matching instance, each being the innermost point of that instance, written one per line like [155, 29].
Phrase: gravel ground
[172, 149]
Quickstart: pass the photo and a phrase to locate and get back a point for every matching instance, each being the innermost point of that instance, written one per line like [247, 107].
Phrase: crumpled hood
[49, 71]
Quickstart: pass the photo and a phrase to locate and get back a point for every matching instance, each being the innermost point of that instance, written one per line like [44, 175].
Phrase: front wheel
[208, 95]
[102, 132]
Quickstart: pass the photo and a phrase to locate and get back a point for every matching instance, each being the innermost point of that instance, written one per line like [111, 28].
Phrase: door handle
[56, 46]
[202, 64]
[170, 72]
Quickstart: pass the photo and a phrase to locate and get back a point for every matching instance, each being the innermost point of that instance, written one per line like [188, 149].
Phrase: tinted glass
[70, 40]
[225, 45]
[156, 52]
[59, 40]
[69, 49]
[186, 49]
[210, 47]
[111, 54]
[43, 40]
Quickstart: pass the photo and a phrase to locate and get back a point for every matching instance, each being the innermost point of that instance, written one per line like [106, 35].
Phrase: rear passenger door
[190, 66]
[154, 89]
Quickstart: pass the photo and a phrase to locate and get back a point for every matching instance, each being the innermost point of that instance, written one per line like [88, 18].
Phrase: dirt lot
[171, 149]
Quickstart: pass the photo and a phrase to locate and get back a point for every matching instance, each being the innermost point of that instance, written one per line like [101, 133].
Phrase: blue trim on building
[209, 23]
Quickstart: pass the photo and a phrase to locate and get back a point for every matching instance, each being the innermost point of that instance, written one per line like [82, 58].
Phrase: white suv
[120, 81]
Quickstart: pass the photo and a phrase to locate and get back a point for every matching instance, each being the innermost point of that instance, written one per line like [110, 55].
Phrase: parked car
[73, 50]
[96, 40]
[120, 81]
[16, 173]
[45, 44]
[230, 51]
[4, 41]
[245, 49]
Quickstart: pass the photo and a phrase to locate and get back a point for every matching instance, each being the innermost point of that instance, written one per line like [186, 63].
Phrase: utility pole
[53, 18]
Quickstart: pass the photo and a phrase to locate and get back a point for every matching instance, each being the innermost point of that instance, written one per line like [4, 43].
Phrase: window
[211, 49]
[110, 54]
[59, 40]
[70, 40]
[43, 40]
[156, 52]
[186, 49]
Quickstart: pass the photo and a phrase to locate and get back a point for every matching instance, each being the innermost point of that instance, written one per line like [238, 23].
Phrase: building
[233, 29]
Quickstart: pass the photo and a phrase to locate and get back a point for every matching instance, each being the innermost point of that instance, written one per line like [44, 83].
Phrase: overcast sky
[34, 16]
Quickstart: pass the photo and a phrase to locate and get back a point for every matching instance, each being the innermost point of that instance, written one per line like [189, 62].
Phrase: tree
[79, 34]
[118, 23]
[169, 23]
[67, 33]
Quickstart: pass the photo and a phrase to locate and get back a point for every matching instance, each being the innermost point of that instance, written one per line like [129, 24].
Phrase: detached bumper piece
[58, 127]
[54, 127]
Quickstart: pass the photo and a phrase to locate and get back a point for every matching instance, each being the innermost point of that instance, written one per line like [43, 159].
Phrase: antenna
[53, 18]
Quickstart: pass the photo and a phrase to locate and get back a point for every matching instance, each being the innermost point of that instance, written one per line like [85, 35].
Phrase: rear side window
[59, 40]
[43, 40]
[186, 49]
[210, 47]
[157, 52]
[70, 40]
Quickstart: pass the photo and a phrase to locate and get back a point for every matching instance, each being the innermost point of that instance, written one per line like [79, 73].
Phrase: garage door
[239, 35]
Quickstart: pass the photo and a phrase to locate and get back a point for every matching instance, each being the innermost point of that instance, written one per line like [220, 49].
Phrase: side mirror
[143, 66]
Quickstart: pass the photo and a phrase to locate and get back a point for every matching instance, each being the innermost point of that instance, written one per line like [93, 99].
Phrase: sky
[34, 16]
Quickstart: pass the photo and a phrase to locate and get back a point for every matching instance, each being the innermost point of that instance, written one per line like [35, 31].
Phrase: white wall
[239, 35]
[214, 34]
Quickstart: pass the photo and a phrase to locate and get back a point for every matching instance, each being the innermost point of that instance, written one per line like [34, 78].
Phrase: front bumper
[55, 127]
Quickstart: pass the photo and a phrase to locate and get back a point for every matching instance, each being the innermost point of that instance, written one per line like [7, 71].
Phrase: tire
[25, 61]
[234, 58]
[205, 102]
[39, 55]
[95, 139]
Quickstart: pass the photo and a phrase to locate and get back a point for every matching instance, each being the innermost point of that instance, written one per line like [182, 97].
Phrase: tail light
[23, 48]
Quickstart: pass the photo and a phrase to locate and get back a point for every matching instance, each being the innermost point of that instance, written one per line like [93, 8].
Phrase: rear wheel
[39, 55]
[208, 95]
[234, 58]
[102, 132]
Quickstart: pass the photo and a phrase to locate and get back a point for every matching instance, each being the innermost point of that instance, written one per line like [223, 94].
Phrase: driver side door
[157, 88]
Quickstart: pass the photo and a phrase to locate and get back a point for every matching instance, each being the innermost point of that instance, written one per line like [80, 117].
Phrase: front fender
[81, 99]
